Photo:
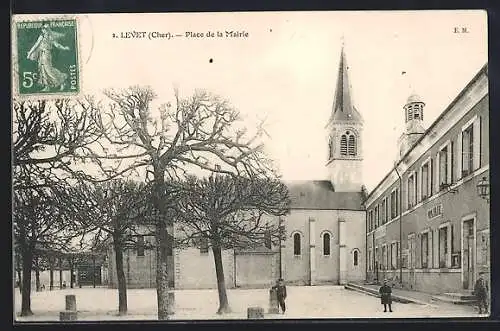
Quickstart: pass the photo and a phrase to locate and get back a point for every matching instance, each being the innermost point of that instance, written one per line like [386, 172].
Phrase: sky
[285, 70]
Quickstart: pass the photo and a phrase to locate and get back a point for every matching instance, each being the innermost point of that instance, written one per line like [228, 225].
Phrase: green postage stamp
[47, 57]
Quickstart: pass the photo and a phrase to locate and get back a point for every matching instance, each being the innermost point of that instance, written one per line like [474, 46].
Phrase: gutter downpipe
[400, 226]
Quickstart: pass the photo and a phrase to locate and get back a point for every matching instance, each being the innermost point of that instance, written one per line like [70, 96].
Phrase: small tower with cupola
[414, 123]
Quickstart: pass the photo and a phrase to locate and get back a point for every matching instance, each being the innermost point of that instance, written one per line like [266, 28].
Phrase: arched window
[343, 145]
[352, 145]
[326, 244]
[296, 244]
[355, 257]
[348, 144]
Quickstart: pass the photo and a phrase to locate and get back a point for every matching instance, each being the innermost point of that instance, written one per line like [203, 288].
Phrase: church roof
[343, 108]
[319, 194]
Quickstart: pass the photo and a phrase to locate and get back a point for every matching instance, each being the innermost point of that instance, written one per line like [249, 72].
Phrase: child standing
[281, 293]
[481, 294]
[385, 296]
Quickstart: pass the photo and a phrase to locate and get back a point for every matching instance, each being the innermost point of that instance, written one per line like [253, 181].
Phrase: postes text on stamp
[47, 53]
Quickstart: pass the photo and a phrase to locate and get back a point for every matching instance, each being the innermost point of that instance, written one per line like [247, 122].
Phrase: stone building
[325, 242]
[426, 223]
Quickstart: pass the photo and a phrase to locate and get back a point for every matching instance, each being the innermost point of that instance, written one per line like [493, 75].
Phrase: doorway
[468, 254]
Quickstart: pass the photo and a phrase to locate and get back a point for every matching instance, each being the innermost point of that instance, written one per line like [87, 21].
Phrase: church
[325, 229]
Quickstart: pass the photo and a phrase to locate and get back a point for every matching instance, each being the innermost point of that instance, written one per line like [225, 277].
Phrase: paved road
[302, 302]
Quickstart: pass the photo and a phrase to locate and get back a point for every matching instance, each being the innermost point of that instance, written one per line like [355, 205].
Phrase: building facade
[325, 242]
[427, 227]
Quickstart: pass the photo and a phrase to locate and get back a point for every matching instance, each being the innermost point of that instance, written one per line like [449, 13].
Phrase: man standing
[281, 293]
[481, 294]
[386, 296]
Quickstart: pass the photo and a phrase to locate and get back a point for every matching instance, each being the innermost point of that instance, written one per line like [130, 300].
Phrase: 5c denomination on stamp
[47, 57]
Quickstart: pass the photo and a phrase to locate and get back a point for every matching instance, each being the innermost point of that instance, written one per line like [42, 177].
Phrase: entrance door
[468, 253]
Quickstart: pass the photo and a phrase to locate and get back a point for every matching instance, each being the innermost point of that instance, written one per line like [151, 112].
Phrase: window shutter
[449, 244]
[459, 156]
[476, 143]
[343, 145]
[430, 247]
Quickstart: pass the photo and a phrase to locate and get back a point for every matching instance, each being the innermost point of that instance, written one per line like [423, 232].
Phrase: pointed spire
[343, 108]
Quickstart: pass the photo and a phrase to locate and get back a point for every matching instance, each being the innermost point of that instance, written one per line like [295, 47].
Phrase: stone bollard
[71, 302]
[273, 301]
[70, 314]
[255, 313]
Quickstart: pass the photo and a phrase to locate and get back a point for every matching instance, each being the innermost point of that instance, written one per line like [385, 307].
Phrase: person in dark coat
[385, 296]
[281, 294]
[481, 294]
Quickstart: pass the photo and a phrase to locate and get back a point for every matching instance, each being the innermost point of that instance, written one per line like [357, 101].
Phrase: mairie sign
[435, 211]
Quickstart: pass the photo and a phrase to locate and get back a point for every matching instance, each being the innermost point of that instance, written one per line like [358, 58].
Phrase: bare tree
[231, 212]
[114, 209]
[47, 136]
[199, 131]
[40, 223]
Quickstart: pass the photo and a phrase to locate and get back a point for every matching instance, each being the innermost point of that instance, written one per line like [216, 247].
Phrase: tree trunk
[19, 271]
[37, 274]
[71, 276]
[51, 285]
[26, 283]
[221, 283]
[164, 254]
[162, 286]
[122, 283]
[60, 274]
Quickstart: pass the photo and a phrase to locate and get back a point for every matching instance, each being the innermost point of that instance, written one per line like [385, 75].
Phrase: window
[267, 240]
[343, 145]
[467, 150]
[348, 144]
[326, 244]
[370, 260]
[425, 181]
[443, 166]
[370, 220]
[352, 145]
[394, 203]
[411, 191]
[394, 255]
[409, 113]
[140, 245]
[424, 248]
[444, 246]
[383, 211]
[384, 257]
[203, 245]
[377, 213]
[296, 244]
[355, 257]
[411, 251]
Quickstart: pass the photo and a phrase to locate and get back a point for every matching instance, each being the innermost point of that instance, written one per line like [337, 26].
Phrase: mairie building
[427, 226]
[325, 230]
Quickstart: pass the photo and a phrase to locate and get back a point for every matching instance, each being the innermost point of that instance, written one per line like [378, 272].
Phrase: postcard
[250, 165]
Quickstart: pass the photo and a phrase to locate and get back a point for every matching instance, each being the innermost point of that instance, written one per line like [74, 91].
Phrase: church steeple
[345, 126]
[343, 108]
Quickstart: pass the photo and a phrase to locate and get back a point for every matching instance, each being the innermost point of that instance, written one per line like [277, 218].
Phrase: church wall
[355, 222]
[256, 270]
[197, 270]
[296, 268]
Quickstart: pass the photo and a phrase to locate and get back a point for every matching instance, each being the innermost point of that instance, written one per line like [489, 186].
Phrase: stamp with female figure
[47, 57]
